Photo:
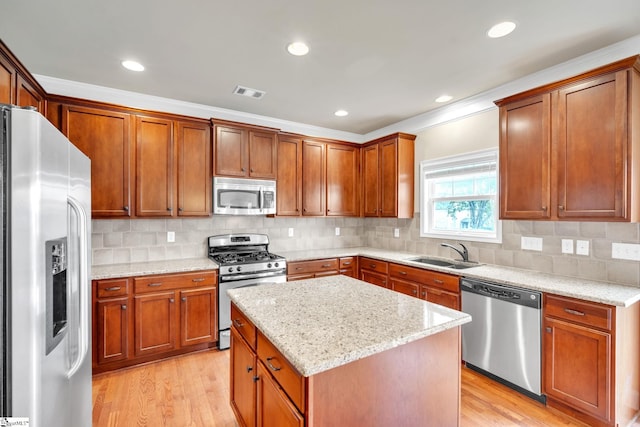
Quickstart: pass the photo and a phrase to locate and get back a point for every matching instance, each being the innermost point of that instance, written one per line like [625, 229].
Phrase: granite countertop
[319, 324]
[113, 271]
[590, 290]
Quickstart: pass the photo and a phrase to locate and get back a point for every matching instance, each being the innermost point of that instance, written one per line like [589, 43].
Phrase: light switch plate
[531, 243]
[171, 236]
[628, 251]
[582, 247]
[567, 246]
[290, 232]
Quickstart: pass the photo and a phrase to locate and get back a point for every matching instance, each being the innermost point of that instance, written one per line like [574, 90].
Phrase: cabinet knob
[548, 329]
[424, 294]
[180, 209]
[561, 207]
[544, 208]
[251, 170]
[184, 299]
[125, 208]
[242, 169]
[169, 209]
[255, 379]
[249, 368]
[171, 300]
[414, 292]
[123, 306]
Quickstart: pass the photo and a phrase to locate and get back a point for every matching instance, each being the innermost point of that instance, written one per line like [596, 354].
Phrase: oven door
[224, 303]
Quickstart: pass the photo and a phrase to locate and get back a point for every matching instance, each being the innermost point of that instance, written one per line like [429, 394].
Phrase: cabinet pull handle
[249, 368]
[184, 299]
[123, 306]
[273, 368]
[424, 294]
[154, 285]
[113, 288]
[238, 323]
[438, 281]
[298, 268]
[413, 291]
[199, 279]
[372, 265]
[404, 273]
[326, 265]
[574, 312]
[347, 263]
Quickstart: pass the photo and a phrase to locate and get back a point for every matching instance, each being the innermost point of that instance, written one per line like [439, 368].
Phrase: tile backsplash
[123, 241]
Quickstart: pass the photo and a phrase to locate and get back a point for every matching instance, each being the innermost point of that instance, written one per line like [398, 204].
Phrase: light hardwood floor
[193, 391]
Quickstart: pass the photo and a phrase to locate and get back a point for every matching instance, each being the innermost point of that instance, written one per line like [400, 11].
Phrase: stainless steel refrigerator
[45, 245]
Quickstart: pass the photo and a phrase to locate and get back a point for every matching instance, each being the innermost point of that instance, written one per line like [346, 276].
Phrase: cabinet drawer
[374, 265]
[578, 311]
[443, 281]
[314, 266]
[112, 287]
[174, 281]
[409, 273]
[244, 326]
[347, 262]
[286, 375]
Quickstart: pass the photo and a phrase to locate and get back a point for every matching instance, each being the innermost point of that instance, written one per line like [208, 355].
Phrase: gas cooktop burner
[236, 258]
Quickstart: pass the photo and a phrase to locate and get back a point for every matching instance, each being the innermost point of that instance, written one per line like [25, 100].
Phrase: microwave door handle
[261, 199]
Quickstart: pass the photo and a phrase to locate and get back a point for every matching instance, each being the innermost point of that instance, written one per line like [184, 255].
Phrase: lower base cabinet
[140, 319]
[243, 374]
[273, 406]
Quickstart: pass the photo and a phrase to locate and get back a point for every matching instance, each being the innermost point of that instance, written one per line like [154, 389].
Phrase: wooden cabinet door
[243, 374]
[231, 151]
[405, 287]
[27, 96]
[289, 180]
[375, 278]
[577, 363]
[440, 297]
[7, 81]
[155, 177]
[103, 136]
[263, 154]
[370, 181]
[194, 168]
[389, 178]
[156, 321]
[342, 180]
[525, 150]
[313, 178]
[592, 148]
[198, 313]
[274, 409]
[113, 330]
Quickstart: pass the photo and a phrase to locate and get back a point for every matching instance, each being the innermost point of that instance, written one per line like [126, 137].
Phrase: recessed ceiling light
[133, 65]
[341, 113]
[298, 49]
[444, 98]
[501, 29]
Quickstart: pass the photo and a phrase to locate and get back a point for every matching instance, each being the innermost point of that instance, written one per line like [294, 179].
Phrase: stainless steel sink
[444, 263]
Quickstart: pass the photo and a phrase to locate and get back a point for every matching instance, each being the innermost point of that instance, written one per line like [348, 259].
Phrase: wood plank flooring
[193, 391]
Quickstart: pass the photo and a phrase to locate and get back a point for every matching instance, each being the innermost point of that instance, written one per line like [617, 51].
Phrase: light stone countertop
[319, 324]
[602, 292]
[113, 271]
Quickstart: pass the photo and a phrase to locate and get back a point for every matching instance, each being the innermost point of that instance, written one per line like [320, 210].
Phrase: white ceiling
[384, 61]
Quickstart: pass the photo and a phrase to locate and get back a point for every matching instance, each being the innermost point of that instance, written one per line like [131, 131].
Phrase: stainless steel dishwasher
[503, 340]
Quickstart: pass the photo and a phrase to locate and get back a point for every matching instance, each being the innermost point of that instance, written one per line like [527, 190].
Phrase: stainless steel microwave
[239, 196]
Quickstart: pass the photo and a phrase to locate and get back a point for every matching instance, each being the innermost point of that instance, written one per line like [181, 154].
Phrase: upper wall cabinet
[17, 86]
[244, 151]
[568, 151]
[289, 178]
[388, 176]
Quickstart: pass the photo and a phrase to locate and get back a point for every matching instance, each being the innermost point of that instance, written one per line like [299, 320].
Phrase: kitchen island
[339, 351]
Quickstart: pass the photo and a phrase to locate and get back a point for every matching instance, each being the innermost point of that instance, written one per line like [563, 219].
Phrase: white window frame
[446, 165]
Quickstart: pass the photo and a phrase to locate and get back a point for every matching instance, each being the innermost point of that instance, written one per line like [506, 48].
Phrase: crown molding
[454, 111]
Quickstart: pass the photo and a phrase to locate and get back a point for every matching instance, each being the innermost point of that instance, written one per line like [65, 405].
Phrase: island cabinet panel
[388, 176]
[343, 163]
[289, 178]
[590, 359]
[244, 327]
[243, 380]
[407, 368]
[141, 319]
[570, 150]
[105, 137]
[274, 409]
[193, 141]
[155, 169]
[244, 151]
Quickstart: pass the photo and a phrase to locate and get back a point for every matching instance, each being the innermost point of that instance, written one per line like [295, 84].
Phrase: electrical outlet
[290, 232]
[567, 246]
[531, 243]
[171, 236]
[582, 247]
[396, 232]
[628, 251]
[337, 231]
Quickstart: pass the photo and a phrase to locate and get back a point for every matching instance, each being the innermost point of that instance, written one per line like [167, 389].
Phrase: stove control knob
[238, 268]
[269, 265]
[230, 269]
[276, 265]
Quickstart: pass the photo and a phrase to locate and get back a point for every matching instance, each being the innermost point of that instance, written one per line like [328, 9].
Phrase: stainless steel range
[244, 260]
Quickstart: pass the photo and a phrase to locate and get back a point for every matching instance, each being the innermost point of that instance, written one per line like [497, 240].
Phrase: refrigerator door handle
[83, 324]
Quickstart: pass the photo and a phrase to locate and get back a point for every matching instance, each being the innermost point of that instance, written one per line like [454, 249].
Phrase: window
[459, 197]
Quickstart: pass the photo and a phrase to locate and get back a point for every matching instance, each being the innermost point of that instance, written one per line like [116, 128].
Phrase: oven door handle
[237, 277]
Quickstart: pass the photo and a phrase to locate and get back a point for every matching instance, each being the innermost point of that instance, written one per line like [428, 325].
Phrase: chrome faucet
[464, 253]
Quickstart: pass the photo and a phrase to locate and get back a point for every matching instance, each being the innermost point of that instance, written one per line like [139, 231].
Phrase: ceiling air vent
[247, 91]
